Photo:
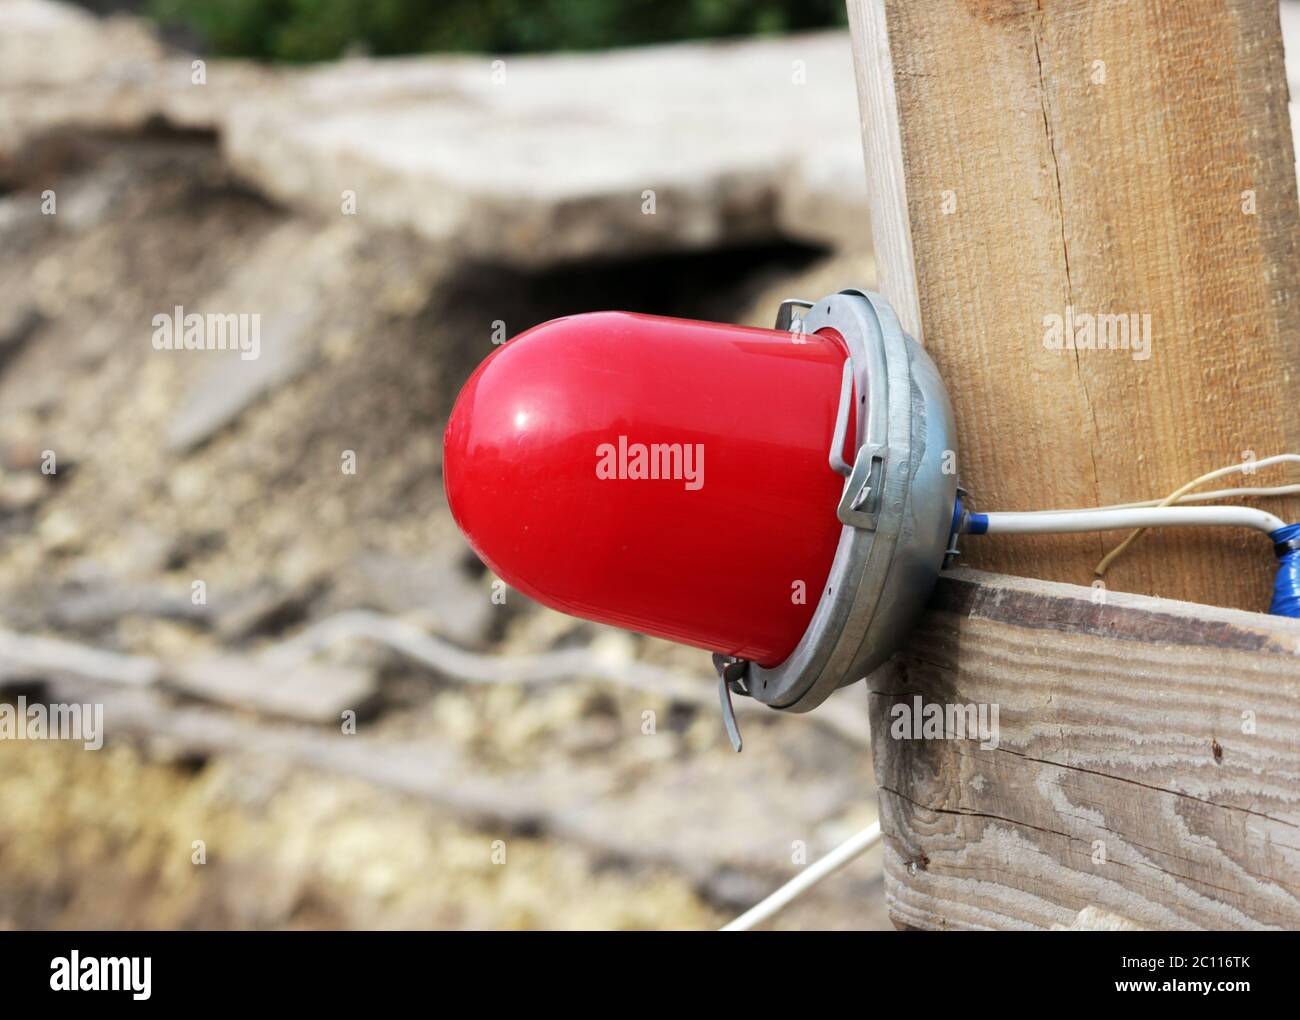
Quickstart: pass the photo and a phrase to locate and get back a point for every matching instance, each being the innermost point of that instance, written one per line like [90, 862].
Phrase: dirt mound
[306, 481]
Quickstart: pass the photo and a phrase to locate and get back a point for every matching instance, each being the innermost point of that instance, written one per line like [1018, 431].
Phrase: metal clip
[838, 464]
[861, 498]
[785, 317]
[731, 673]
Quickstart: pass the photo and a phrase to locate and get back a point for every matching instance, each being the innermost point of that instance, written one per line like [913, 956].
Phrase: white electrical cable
[1049, 522]
[854, 846]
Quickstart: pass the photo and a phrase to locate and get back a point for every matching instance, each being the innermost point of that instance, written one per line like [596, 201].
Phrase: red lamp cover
[663, 475]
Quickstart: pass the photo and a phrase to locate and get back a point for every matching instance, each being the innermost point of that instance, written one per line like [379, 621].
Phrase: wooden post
[1084, 158]
[1035, 166]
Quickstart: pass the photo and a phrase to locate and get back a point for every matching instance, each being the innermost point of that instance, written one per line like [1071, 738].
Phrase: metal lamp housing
[896, 508]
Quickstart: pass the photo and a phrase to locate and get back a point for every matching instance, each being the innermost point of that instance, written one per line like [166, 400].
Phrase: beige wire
[1190, 497]
[1213, 496]
[1177, 496]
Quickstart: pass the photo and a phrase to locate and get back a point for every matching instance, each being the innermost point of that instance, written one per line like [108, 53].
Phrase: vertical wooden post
[1036, 166]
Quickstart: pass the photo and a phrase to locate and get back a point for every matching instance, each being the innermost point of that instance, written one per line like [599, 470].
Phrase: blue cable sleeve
[1286, 587]
[977, 524]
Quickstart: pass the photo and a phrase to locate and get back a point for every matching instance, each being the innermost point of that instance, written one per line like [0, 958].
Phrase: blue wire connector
[1286, 589]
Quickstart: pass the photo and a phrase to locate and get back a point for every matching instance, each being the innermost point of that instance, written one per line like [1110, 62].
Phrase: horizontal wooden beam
[1145, 761]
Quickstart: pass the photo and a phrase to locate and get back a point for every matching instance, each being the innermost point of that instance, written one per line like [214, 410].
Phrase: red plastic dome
[662, 475]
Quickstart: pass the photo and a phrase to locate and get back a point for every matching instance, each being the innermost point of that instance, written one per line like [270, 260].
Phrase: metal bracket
[861, 498]
[731, 676]
[838, 464]
[785, 317]
[860, 504]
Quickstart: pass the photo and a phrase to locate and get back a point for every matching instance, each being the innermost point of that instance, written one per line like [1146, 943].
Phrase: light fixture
[784, 498]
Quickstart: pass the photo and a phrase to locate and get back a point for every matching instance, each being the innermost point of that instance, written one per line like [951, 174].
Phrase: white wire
[854, 846]
[1049, 522]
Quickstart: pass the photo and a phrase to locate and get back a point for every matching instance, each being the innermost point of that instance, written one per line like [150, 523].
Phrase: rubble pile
[379, 224]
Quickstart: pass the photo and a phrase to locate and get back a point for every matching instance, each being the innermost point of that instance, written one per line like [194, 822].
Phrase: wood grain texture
[1126, 777]
[1094, 154]
[891, 230]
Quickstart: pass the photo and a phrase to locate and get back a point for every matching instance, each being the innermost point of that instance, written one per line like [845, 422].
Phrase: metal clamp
[860, 504]
[731, 677]
[838, 463]
[785, 317]
[861, 498]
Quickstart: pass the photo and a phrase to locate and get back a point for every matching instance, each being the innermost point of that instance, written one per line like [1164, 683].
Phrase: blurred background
[316, 713]
[498, 156]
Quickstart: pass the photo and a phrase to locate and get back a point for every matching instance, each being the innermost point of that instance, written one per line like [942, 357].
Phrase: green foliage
[300, 30]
